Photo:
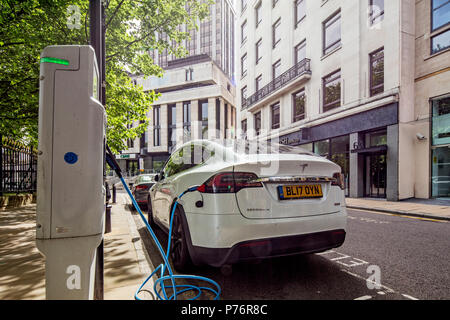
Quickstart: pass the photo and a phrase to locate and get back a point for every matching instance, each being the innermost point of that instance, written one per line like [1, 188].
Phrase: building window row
[440, 25]
[203, 120]
[376, 11]
[331, 91]
[331, 28]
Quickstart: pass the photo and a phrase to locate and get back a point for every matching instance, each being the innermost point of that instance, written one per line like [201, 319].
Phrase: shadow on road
[301, 277]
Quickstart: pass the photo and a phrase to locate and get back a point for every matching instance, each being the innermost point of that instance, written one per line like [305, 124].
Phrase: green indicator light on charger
[55, 60]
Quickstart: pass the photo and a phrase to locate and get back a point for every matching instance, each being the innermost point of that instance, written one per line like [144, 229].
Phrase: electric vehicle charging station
[71, 199]
[70, 202]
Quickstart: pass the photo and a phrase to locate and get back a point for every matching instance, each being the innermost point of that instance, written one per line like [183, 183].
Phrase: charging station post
[71, 198]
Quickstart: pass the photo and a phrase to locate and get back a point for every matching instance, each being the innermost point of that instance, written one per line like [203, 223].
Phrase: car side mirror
[157, 177]
[131, 184]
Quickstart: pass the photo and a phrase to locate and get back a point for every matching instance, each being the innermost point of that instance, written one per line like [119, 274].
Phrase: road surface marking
[396, 215]
[409, 297]
[362, 278]
[354, 263]
[364, 219]
[364, 298]
[324, 253]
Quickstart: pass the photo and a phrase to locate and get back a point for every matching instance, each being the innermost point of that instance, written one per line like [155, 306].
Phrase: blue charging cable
[169, 276]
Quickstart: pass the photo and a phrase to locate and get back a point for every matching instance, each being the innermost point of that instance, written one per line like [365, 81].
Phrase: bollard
[108, 219]
[114, 193]
[108, 192]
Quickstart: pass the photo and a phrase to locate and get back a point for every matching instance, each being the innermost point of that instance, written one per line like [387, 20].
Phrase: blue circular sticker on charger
[71, 158]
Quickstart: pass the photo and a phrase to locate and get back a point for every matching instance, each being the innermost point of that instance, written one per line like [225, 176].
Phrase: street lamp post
[97, 41]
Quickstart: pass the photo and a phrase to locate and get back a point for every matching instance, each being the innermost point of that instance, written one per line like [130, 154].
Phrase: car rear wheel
[178, 250]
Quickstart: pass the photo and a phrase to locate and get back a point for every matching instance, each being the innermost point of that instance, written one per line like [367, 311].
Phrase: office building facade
[363, 83]
[197, 92]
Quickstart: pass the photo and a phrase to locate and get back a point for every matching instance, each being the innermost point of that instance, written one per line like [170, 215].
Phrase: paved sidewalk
[126, 261]
[22, 266]
[416, 209]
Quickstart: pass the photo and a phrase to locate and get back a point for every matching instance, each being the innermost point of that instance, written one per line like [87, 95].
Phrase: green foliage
[27, 27]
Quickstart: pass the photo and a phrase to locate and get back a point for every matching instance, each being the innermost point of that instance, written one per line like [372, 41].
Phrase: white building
[197, 92]
[339, 78]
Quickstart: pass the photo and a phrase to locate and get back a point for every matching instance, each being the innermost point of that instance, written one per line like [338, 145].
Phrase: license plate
[300, 192]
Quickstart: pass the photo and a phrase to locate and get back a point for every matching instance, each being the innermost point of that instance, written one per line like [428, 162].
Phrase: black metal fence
[18, 167]
[299, 69]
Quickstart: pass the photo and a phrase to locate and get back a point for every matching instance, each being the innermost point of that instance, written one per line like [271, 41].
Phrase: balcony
[292, 77]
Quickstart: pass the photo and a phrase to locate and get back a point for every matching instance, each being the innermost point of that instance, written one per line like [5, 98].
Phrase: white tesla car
[253, 201]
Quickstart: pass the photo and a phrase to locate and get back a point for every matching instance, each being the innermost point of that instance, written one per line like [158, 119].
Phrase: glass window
[299, 105]
[340, 154]
[322, 148]
[157, 126]
[244, 65]
[172, 121]
[203, 114]
[244, 96]
[244, 128]
[300, 11]
[276, 69]
[340, 145]
[275, 113]
[376, 11]
[376, 139]
[258, 50]
[338, 151]
[258, 16]
[187, 121]
[332, 33]
[440, 172]
[300, 52]
[441, 121]
[243, 5]
[257, 120]
[218, 111]
[180, 161]
[276, 33]
[191, 44]
[258, 83]
[332, 91]
[206, 36]
[377, 72]
[440, 42]
[440, 13]
[244, 31]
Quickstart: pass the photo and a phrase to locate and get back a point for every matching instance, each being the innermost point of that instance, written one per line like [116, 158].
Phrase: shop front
[364, 145]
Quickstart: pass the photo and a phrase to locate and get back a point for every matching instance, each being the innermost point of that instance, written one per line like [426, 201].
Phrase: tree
[132, 26]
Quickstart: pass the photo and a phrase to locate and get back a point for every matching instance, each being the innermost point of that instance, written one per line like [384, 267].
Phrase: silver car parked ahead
[140, 188]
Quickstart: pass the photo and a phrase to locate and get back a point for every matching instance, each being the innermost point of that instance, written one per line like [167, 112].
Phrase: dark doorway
[375, 175]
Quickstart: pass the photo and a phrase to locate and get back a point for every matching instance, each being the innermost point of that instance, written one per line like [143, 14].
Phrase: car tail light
[338, 180]
[141, 188]
[230, 182]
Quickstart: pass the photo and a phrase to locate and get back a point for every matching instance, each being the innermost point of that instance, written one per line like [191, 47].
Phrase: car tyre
[178, 249]
[150, 219]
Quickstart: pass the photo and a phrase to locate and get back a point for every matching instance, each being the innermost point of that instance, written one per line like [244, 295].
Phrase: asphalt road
[410, 256]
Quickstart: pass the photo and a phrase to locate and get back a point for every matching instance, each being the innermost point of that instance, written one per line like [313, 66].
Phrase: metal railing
[299, 69]
[18, 167]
